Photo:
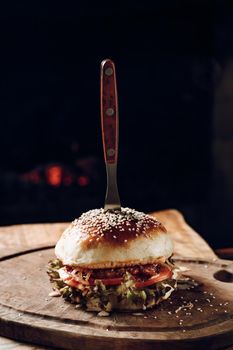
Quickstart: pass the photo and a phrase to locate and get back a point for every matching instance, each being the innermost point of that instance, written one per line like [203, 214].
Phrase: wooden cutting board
[201, 317]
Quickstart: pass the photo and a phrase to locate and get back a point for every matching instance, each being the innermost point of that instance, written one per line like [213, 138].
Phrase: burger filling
[132, 288]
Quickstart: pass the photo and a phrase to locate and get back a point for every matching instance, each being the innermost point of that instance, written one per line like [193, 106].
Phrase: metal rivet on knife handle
[108, 71]
[110, 152]
[110, 112]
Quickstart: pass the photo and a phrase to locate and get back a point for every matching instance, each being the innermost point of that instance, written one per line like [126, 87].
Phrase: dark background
[174, 62]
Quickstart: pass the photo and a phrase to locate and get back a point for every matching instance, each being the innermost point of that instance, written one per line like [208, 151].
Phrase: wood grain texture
[187, 242]
[27, 312]
[14, 239]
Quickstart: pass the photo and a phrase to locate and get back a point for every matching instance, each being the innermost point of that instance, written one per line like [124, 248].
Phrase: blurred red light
[35, 177]
[68, 180]
[83, 180]
[54, 175]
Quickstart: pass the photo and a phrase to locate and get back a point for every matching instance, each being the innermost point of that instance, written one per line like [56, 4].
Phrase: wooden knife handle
[109, 111]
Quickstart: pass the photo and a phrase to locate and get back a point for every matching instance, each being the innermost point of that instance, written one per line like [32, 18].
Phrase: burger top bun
[114, 238]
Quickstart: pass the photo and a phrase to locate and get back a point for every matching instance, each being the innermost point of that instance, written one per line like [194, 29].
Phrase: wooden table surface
[13, 239]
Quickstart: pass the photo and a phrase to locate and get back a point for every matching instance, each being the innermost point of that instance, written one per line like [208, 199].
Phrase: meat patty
[142, 271]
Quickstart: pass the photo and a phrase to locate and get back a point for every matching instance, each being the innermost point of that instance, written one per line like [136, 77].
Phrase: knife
[110, 126]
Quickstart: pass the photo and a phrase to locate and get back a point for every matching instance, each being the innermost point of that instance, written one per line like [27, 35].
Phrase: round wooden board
[27, 313]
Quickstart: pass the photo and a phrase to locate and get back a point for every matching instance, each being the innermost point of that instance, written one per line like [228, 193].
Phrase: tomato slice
[163, 274]
[72, 282]
[107, 282]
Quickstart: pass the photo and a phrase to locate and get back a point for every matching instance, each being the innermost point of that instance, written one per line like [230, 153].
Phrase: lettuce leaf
[101, 297]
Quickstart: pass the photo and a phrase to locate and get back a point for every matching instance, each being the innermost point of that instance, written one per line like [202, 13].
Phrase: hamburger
[116, 259]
